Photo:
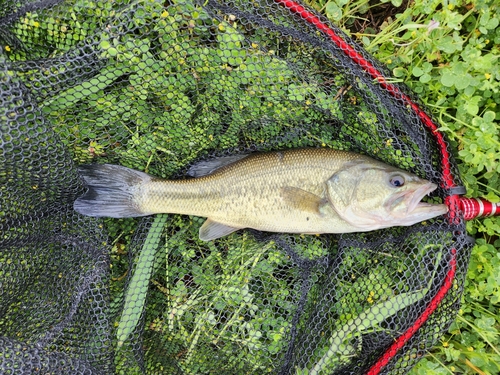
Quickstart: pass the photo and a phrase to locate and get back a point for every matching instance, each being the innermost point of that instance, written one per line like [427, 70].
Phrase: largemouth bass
[307, 191]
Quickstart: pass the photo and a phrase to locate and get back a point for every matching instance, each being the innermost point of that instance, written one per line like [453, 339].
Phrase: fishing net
[159, 86]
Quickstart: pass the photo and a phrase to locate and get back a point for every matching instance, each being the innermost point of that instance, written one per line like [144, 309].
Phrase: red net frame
[468, 208]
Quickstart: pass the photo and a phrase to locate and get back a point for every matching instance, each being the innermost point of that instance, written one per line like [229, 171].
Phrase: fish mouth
[414, 204]
[415, 200]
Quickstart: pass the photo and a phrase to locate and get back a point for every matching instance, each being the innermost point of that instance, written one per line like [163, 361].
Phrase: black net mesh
[158, 86]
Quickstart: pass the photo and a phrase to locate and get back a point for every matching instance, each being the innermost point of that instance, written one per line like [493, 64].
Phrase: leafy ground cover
[448, 53]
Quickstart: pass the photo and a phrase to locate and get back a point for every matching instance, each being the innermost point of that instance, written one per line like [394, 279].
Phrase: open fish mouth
[415, 199]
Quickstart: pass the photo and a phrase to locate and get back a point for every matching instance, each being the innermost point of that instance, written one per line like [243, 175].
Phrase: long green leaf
[371, 318]
[74, 94]
[138, 287]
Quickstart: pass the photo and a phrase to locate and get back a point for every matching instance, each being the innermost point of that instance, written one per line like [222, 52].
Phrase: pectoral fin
[211, 230]
[303, 200]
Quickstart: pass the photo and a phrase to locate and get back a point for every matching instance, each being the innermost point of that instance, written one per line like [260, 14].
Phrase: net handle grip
[473, 208]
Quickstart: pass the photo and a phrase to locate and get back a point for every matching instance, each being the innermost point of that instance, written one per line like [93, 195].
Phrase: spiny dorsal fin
[207, 167]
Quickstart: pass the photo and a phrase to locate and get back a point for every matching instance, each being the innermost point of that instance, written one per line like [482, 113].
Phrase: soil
[377, 15]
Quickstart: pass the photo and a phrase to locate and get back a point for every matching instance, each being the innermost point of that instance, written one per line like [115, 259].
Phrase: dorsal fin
[207, 167]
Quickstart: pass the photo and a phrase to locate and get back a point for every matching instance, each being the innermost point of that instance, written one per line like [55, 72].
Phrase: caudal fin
[112, 191]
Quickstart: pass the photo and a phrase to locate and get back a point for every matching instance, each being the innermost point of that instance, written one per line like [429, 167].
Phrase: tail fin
[111, 191]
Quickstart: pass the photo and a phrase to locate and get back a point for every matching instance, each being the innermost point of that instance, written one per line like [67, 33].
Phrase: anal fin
[211, 230]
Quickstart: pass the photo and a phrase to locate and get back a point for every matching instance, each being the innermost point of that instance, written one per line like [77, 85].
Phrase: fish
[307, 191]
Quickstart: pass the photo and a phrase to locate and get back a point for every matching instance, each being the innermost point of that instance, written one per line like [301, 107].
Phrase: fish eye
[397, 181]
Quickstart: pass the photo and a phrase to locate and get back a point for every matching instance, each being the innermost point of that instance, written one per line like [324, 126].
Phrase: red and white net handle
[474, 207]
